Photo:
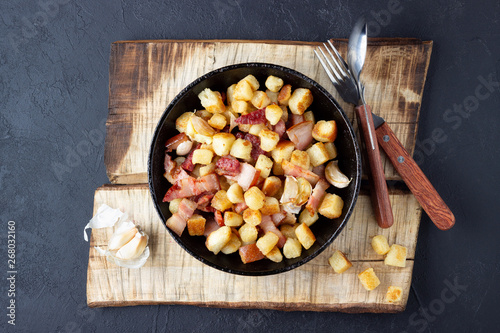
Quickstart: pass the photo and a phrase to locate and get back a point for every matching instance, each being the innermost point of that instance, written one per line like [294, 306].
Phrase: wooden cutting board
[144, 77]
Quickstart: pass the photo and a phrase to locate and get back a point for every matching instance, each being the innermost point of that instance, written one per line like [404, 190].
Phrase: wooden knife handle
[379, 192]
[415, 179]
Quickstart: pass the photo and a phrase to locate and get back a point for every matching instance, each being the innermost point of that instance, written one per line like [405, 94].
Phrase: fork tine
[344, 64]
[339, 76]
[344, 72]
[327, 69]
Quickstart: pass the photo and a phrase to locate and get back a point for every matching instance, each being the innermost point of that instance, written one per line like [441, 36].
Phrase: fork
[342, 78]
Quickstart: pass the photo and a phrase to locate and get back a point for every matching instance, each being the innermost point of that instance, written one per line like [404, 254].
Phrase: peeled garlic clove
[334, 176]
[290, 190]
[121, 237]
[201, 126]
[305, 190]
[184, 148]
[133, 248]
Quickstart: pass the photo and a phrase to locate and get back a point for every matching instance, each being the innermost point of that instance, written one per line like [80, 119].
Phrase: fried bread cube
[331, 206]
[305, 235]
[368, 279]
[339, 262]
[218, 239]
[380, 244]
[300, 100]
[396, 256]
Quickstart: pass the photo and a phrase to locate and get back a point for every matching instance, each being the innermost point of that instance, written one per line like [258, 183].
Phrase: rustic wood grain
[146, 75]
[172, 276]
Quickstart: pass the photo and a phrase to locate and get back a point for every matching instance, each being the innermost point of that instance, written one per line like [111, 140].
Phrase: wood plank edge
[322, 307]
[371, 41]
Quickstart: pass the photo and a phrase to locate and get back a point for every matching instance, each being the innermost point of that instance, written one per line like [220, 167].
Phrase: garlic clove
[201, 126]
[184, 148]
[134, 248]
[305, 190]
[335, 176]
[121, 237]
[290, 190]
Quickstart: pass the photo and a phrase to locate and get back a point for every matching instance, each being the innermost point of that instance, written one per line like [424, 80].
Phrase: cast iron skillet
[324, 107]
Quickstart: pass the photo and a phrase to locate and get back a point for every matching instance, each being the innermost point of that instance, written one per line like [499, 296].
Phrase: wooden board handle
[379, 192]
[415, 179]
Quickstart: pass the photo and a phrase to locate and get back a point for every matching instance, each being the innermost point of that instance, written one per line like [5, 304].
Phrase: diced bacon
[296, 119]
[301, 134]
[280, 128]
[206, 208]
[173, 172]
[317, 195]
[278, 217]
[186, 208]
[250, 253]
[291, 169]
[256, 150]
[210, 226]
[240, 135]
[218, 218]
[203, 198]
[240, 207]
[175, 141]
[319, 170]
[228, 165]
[188, 187]
[176, 223]
[188, 163]
[207, 183]
[267, 224]
[248, 176]
[255, 117]
[223, 96]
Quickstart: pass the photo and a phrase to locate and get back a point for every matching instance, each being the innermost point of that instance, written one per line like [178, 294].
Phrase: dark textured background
[54, 57]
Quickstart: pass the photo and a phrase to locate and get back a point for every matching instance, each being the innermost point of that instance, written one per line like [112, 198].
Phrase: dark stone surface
[53, 95]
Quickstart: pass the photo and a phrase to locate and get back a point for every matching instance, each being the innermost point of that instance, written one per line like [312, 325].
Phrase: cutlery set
[345, 77]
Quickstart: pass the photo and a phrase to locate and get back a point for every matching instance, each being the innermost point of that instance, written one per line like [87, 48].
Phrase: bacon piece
[317, 195]
[228, 165]
[218, 218]
[240, 207]
[240, 135]
[291, 169]
[210, 226]
[252, 118]
[176, 223]
[268, 225]
[188, 187]
[188, 163]
[203, 198]
[278, 217]
[256, 150]
[296, 119]
[175, 141]
[248, 176]
[250, 253]
[186, 208]
[280, 128]
[320, 171]
[301, 134]
[173, 172]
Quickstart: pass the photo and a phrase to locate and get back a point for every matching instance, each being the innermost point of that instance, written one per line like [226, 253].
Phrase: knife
[413, 176]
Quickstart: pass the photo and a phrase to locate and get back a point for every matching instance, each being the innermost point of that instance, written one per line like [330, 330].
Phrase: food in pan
[251, 169]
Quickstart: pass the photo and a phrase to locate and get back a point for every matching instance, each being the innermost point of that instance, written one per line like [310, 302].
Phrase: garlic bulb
[334, 176]
[128, 246]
